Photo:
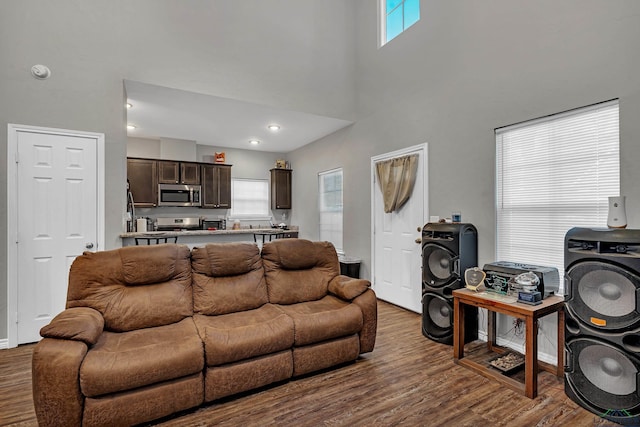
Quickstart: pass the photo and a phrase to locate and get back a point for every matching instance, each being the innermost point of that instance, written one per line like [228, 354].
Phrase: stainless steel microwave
[179, 195]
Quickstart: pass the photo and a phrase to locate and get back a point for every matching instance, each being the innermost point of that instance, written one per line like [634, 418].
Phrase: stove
[171, 224]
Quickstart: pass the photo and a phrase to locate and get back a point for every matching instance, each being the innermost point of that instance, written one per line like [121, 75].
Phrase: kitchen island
[193, 238]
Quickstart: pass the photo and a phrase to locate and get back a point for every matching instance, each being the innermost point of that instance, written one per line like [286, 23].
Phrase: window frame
[383, 17]
[583, 203]
[338, 245]
[255, 215]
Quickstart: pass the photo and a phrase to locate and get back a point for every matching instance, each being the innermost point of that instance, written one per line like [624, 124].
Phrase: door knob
[89, 245]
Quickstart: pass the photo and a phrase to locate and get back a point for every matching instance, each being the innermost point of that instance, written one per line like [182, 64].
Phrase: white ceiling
[161, 112]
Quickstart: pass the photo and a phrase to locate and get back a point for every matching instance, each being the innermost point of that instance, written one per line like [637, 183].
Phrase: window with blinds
[553, 174]
[249, 198]
[330, 192]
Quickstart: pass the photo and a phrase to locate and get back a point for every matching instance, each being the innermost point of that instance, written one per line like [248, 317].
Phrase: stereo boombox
[500, 273]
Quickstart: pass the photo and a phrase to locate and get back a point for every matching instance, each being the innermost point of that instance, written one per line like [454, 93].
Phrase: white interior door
[56, 217]
[396, 254]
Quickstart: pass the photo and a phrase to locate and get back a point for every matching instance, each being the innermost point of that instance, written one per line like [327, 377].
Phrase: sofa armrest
[348, 288]
[77, 324]
[56, 382]
[368, 303]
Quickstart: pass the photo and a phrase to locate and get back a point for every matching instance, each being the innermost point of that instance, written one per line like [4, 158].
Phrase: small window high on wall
[552, 174]
[330, 192]
[396, 16]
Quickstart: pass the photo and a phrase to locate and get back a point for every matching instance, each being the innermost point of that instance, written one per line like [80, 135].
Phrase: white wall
[291, 54]
[464, 69]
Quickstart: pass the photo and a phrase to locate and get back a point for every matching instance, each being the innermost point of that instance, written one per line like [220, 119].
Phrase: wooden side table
[530, 315]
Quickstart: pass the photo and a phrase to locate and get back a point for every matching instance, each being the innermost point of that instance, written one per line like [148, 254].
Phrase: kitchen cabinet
[143, 182]
[216, 186]
[170, 172]
[281, 188]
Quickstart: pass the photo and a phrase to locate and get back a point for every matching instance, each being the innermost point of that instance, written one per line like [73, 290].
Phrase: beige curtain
[396, 178]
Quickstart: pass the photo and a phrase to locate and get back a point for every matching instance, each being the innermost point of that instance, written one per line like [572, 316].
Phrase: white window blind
[553, 174]
[249, 198]
[330, 192]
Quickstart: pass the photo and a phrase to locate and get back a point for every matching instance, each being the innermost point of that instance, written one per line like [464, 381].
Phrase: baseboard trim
[4, 343]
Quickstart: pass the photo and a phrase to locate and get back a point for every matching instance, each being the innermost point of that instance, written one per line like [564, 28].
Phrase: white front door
[56, 218]
[396, 254]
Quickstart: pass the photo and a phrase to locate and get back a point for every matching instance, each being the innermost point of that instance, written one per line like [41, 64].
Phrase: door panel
[397, 275]
[57, 220]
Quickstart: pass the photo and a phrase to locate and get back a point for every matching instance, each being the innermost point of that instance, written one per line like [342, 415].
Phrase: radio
[500, 275]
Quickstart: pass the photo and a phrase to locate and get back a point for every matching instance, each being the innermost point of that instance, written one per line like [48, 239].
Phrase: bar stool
[157, 239]
[264, 234]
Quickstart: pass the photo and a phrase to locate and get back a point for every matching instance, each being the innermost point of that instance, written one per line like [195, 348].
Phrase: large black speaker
[447, 251]
[602, 322]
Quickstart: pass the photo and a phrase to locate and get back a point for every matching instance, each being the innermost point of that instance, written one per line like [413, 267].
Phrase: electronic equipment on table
[529, 283]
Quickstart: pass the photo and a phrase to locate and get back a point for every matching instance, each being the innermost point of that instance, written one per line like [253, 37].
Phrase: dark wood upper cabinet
[216, 186]
[190, 173]
[170, 172]
[281, 188]
[143, 182]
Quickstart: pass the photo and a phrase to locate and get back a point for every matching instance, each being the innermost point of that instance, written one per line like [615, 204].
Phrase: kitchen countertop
[292, 229]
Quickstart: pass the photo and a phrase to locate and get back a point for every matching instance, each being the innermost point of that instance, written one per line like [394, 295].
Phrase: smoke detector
[40, 72]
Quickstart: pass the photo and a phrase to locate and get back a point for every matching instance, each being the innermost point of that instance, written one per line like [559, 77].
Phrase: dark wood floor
[407, 380]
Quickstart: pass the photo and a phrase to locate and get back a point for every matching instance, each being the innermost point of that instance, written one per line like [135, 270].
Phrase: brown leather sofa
[150, 331]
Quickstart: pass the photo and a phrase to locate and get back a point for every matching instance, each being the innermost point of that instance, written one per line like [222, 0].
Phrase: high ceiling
[161, 112]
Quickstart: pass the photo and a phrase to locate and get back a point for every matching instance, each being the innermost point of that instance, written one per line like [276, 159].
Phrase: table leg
[560, 366]
[491, 329]
[458, 329]
[531, 358]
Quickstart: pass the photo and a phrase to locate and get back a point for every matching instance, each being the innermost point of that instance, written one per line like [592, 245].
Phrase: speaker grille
[607, 292]
[438, 266]
[603, 295]
[437, 319]
[439, 313]
[603, 376]
[608, 369]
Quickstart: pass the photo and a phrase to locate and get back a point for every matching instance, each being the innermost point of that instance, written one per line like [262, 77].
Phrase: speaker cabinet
[602, 322]
[437, 319]
[447, 251]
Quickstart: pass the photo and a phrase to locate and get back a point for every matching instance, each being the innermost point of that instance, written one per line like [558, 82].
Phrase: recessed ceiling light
[128, 105]
[254, 142]
[131, 127]
[273, 127]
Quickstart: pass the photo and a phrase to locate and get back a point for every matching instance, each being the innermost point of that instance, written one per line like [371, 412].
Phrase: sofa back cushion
[134, 287]
[227, 277]
[298, 270]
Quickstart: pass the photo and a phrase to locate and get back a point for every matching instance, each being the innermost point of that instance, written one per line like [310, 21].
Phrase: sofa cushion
[298, 270]
[227, 278]
[138, 268]
[107, 282]
[127, 360]
[238, 336]
[330, 317]
[226, 259]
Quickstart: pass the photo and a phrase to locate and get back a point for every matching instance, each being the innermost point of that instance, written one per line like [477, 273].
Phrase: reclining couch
[150, 331]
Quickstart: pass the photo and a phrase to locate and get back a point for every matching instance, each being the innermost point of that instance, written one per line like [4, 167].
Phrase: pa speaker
[447, 251]
[602, 276]
[602, 322]
[437, 319]
[601, 370]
